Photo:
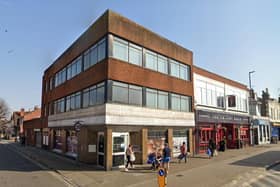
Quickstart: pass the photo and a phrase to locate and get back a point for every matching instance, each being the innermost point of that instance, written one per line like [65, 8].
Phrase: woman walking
[128, 153]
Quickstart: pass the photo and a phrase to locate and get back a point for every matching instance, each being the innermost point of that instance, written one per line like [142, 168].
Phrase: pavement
[226, 169]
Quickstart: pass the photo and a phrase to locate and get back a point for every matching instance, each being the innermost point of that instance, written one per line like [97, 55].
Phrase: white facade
[212, 94]
[116, 114]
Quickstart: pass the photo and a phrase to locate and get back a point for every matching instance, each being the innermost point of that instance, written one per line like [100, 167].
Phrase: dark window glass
[100, 93]
[162, 100]
[151, 98]
[119, 92]
[101, 49]
[135, 95]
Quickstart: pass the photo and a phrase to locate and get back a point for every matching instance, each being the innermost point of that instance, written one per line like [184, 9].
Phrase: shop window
[72, 143]
[156, 140]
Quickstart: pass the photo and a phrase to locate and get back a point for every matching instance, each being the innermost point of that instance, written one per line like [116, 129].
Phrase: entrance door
[100, 149]
[120, 143]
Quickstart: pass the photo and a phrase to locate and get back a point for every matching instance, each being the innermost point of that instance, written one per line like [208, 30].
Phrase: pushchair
[154, 160]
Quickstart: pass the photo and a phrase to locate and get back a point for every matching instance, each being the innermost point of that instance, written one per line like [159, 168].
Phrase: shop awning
[260, 122]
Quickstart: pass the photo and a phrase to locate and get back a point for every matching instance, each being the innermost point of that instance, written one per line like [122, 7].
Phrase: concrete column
[170, 140]
[144, 142]
[108, 149]
[51, 138]
[191, 142]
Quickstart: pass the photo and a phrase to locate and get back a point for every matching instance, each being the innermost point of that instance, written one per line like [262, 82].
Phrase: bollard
[161, 177]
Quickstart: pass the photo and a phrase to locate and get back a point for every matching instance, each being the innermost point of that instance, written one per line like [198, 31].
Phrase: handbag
[132, 157]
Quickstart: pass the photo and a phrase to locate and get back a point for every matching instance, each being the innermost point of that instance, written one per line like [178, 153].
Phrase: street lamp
[250, 83]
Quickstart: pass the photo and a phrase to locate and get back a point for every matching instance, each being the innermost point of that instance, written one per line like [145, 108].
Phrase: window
[87, 59]
[51, 83]
[185, 104]
[74, 68]
[73, 101]
[59, 106]
[135, 95]
[135, 54]
[60, 77]
[162, 100]
[100, 94]
[85, 98]
[175, 102]
[151, 98]
[120, 49]
[151, 60]
[174, 68]
[184, 72]
[93, 55]
[68, 103]
[101, 49]
[162, 64]
[119, 92]
[92, 96]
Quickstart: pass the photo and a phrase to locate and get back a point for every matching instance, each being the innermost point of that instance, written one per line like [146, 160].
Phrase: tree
[4, 110]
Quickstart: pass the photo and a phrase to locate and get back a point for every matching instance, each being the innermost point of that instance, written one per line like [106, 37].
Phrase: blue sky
[230, 38]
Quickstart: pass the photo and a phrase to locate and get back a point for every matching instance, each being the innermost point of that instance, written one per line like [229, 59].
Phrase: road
[270, 178]
[15, 170]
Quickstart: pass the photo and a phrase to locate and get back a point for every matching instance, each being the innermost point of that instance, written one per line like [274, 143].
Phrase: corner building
[126, 85]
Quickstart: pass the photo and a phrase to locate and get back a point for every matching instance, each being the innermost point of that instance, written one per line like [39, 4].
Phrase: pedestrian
[211, 147]
[166, 153]
[128, 153]
[183, 152]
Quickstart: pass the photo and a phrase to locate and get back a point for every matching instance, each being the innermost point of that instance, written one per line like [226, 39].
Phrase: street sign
[161, 177]
[77, 126]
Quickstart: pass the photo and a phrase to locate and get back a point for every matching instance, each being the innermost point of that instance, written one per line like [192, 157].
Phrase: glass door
[100, 148]
[120, 143]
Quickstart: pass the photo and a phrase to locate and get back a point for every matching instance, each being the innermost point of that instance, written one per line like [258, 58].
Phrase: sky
[229, 38]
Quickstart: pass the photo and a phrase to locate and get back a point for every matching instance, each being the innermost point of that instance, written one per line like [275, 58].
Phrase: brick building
[32, 127]
[125, 85]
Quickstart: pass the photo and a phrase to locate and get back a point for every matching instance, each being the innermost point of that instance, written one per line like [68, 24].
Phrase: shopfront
[218, 126]
[261, 131]
[275, 132]
[57, 141]
[72, 143]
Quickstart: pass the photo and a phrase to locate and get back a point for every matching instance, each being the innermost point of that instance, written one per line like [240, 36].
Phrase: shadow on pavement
[260, 160]
[12, 159]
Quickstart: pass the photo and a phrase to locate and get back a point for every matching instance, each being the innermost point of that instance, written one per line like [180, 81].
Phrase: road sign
[161, 177]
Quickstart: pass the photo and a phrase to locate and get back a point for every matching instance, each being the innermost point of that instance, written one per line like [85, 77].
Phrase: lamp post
[250, 83]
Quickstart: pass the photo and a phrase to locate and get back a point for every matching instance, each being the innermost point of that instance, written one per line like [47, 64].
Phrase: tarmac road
[15, 170]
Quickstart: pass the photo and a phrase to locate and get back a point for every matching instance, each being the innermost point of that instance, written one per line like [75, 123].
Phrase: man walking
[183, 151]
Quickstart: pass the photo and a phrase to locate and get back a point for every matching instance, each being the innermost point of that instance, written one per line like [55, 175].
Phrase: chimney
[36, 107]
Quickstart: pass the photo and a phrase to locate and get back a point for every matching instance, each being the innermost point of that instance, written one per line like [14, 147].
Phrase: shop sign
[216, 117]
